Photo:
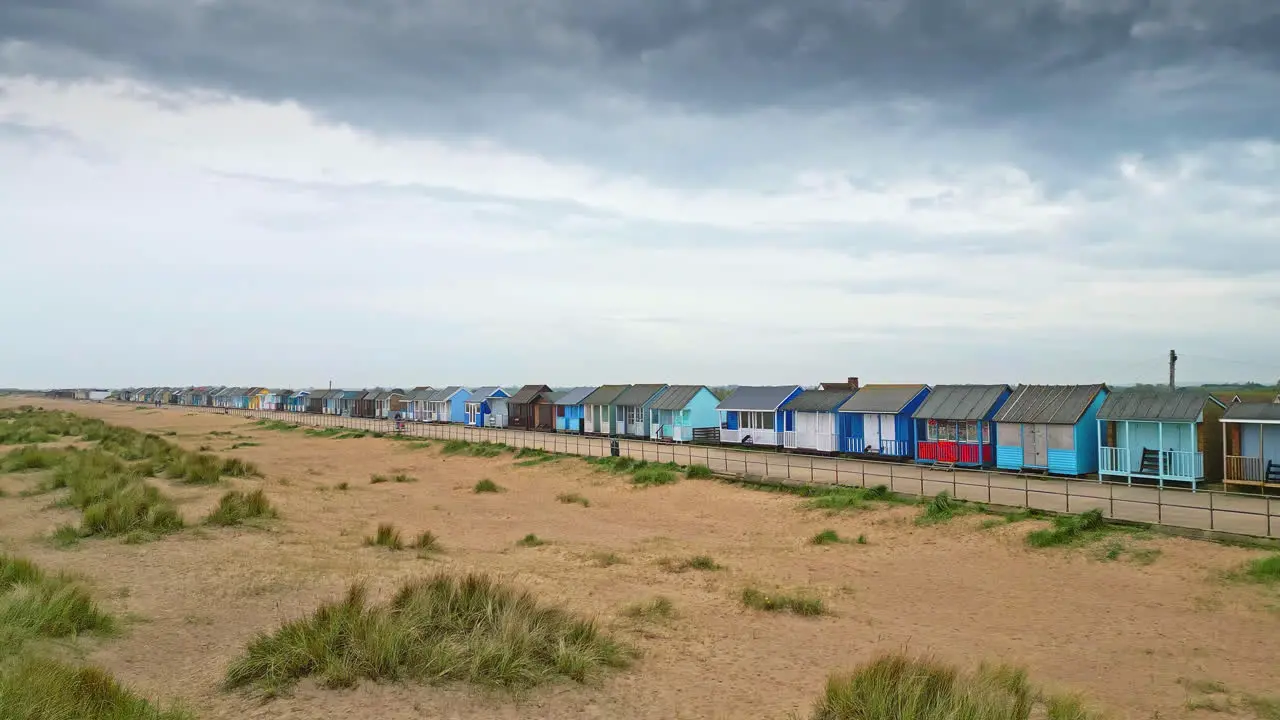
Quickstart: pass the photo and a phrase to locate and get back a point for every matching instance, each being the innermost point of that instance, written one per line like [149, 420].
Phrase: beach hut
[487, 407]
[631, 409]
[681, 411]
[752, 415]
[347, 402]
[386, 403]
[1160, 435]
[448, 404]
[809, 420]
[1051, 428]
[877, 420]
[570, 412]
[1251, 438]
[531, 408]
[599, 409]
[415, 403]
[366, 405]
[954, 425]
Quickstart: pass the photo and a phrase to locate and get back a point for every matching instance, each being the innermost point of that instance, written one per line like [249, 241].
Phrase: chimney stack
[853, 383]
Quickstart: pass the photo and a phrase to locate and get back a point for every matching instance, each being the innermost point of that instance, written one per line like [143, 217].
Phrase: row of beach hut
[1184, 436]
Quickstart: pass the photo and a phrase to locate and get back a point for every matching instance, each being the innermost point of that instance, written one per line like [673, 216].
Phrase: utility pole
[1173, 361]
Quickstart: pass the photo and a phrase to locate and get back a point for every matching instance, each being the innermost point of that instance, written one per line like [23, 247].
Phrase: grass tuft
[797, 604]
[1260, 571]
[607, 559]
[471, 629]
[42, 689]
[402, 478]
[695, 472]
[659, 608]
[826, 537]
[478, 449]
[387, 536]
[943, 508]
[836, 500]
[36, 605]
[1069, 530]
[573, 499]
[682, 565]
[486, 486]
[378, 479]
[531, 540]
[236, 507]
[427, 542]
[922, 689]
[344, 485]
[652, 475]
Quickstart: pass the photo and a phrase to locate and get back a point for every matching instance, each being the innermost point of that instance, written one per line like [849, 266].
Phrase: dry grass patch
[35, 604]
[386, 536]
[897, 686]
[486, 486]
[471, 629]
[33, 688]
[573, 499]
[531, 540]
[236, 507]
[659, 608]
[606, 559]
[683, 565]
[795, 603]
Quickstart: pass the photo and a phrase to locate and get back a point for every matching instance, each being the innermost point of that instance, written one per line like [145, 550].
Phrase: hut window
[684, 417]
[635, 415]
[986, 433]
[756, 420]
[932, 432]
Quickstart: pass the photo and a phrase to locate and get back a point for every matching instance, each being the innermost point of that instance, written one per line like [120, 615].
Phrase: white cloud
[206, 238]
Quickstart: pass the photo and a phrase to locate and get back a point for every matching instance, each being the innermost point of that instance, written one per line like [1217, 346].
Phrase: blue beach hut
[877, 420]
[1160, 436]
[681, 410]
[1051, 428]
[570, 411]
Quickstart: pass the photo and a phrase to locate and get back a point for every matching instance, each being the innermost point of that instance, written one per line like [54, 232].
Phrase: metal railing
[1228, 512]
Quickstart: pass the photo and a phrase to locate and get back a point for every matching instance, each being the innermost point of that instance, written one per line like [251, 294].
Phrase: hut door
[871, 431]
[1036, 445]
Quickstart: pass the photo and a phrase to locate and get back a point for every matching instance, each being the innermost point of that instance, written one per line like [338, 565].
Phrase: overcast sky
[442, 192]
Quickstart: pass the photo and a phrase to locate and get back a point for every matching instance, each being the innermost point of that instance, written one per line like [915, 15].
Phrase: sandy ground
[1126, 636]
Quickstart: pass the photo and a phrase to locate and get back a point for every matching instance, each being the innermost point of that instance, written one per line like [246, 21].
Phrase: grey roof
[818, 400]
[605, 395]
[444, 393]
[554, 396]
[1182, 405]
[882, 398]
[757, 397]
[575, 396]
[638, 395]
[675, 397]
[528, 394]
[1048, 404]
[960, 402]
[1246, 411]
[483, 393]
[419, 394]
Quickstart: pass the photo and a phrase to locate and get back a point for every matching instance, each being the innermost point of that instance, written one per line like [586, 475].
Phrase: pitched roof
[638, 395]
[1246, 411]
[1048, 404]
[528, 394]
[818, 400]
[757, 397]
[882, 398]
[444, 393]
[605, 395]
[484, 393]
[960, 402]
[575, 396]
[419, 394]
[676, 397]
[1181, 405]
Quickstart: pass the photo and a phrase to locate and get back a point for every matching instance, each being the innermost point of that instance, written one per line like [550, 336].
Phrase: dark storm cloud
[475, 64]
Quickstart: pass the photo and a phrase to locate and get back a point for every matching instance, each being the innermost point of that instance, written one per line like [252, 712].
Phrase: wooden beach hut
[878, 420]
[599, 408]
[531, 408]
[1050, 428]
[809, 420]
[1251, 438]
[954, 425]
[570, 412]
[680, 412]
[752, 415]
[1161, 436]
